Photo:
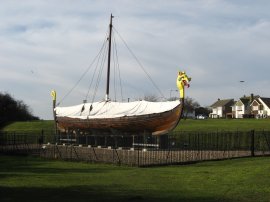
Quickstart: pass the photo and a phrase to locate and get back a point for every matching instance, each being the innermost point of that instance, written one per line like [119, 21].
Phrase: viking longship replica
[125, 118]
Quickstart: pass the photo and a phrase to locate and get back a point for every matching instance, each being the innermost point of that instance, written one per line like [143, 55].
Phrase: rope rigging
[104, 56]
[117, 69]
[84, 73]
[100, 60]
[139, 63]
[102, 51]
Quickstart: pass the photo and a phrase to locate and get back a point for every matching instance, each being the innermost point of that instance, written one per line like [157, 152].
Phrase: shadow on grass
[30, 164]
[86, 193]
[13, 167]
[32, 179]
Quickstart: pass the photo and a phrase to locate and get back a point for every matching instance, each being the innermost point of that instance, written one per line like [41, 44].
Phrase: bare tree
[173, 98]
[203, 111]
[190, 106]
[151, 98]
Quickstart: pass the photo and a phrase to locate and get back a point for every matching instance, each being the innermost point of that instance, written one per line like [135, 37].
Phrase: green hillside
[26, 126]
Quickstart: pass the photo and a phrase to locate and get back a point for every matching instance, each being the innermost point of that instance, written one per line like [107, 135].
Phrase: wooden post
[105, 141]
[133, 141]
[252, 143]
[115, 142]
[158, 141]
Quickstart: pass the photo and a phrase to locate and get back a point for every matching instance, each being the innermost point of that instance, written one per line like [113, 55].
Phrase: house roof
[245, 101]
[220, 103]
[256, 100]
[266, 101]
[248, 99]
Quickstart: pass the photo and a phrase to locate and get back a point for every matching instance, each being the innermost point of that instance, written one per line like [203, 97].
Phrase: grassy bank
[37, 126]
[34, 179]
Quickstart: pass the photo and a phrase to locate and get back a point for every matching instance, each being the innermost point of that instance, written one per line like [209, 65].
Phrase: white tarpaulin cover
[115, 109]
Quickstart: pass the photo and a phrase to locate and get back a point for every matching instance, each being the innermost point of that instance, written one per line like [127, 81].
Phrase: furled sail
[109, 109]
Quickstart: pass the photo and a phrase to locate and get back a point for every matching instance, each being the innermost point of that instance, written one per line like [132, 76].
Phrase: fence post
[138, 157]
[41, 138]
[252, 144]
[14, 141]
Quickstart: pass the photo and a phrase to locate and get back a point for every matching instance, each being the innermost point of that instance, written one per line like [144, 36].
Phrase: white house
[241, 108]
[221, 108]
[260, 107]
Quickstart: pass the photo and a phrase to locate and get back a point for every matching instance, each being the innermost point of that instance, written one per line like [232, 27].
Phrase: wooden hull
[155, 124]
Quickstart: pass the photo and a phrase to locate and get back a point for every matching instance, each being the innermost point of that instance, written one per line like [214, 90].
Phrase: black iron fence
[139, 150]
[26, 137]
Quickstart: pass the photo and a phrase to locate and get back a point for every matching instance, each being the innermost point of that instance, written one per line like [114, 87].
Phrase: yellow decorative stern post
[53, 94]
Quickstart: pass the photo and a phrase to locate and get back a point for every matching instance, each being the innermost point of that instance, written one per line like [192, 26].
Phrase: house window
[261, 107]
[255, 108]
[238, 108]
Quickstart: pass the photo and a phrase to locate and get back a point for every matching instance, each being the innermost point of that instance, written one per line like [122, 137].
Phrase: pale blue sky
[46, 45]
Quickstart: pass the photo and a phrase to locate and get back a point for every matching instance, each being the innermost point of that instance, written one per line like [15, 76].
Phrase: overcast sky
[47, 45]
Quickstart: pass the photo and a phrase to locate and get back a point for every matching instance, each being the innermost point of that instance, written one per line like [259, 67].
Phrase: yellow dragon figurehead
[182, 81]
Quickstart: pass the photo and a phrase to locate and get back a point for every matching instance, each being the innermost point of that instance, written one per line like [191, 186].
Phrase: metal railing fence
[138, 150]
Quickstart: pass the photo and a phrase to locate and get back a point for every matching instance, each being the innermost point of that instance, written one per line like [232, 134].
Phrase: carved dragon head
[182, 81]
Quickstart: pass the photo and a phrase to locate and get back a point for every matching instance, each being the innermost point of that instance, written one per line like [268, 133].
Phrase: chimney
[251, 97]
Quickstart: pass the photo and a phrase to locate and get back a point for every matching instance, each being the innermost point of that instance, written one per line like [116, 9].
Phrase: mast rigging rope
[101, 58]
[84, 73]
[117, 68]
[140, 64]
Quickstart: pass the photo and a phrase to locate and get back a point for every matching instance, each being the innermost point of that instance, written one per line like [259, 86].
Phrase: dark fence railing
[138, 150]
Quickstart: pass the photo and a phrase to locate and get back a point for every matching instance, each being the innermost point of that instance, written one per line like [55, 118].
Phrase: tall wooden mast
[109, 61]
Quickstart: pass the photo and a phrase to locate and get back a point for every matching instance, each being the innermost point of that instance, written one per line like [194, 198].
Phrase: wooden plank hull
[155, 124]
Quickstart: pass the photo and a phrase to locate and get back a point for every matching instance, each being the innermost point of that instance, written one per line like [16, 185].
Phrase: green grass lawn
[184, 125]
[223, 124]
[34, 179]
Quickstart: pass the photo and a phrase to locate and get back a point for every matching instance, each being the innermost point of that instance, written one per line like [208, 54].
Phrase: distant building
[260, 107]
[242, 108]
[246, 107]
[222, 108]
